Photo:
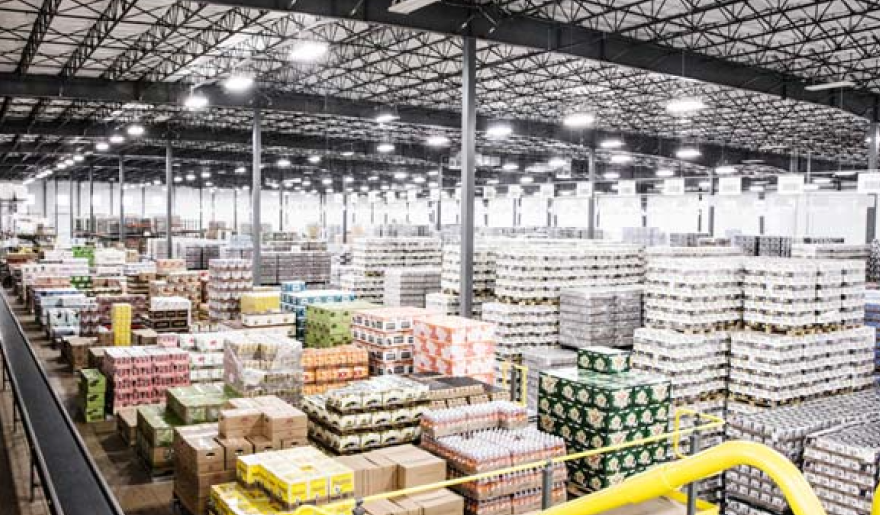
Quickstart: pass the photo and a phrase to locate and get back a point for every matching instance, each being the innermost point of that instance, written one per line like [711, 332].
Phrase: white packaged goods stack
[774, 369]
[531, 275]
[692, 294]
[841, 465]
[229, 278]
[786, 430]
[830, 251]
[542, 359]
[599, 316]
[696, 364]
[685, 239]
[874, 262]
[109, 262]
[450, 282]
[205, 354]
[644, 236]
[409, 286]
[370, 257]
[448, 304]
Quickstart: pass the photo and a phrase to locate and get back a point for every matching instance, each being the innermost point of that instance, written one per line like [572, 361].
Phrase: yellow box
[256, 302]
[247, 469]
[120, 322]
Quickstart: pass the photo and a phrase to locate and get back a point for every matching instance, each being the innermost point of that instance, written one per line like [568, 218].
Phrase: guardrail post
[547, 486]
[692, 487]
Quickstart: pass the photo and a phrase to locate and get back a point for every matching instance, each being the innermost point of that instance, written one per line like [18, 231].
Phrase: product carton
[439, 502]
[263, 444]
[604, 360]
[240, 423]
[199, 453]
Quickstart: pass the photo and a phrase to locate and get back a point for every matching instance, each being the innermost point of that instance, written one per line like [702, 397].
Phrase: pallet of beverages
[599, 316]
[387, 335]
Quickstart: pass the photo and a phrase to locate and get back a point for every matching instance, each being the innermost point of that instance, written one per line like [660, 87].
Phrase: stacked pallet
[599, 316]
[409, 286]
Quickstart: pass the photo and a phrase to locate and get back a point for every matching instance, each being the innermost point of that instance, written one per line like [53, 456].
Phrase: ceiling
[134, 61]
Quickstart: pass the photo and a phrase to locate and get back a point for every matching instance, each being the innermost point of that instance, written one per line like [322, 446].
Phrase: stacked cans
[409, 286]
[786, 430]
[228, 279]
[543, 359]
[842, 467]
[521, 325]
[387, 334]
[298, 301]
[692, 294]
[872, 319]
[599, 316]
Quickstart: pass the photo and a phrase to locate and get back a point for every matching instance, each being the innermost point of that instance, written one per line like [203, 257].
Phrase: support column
[78, 200]
[55, 204]
[72, 213]
[169, 195]
[591, 202]
[873, 146]
[46, 199]
[468, 171]
[439, 210]
[345, 218]
[91, 200]
[201, 210]
[235, 210]
[143, 200]
[280, 211]
[122, 200]
[256, 190]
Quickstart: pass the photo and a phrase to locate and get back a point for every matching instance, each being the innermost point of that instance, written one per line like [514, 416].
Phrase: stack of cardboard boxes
[120, 322]
[455, 346]
[139, 376]
[334, 367]
[206, 454]
[296, 302]
[387, 334]
[91, 394]
[329, 324]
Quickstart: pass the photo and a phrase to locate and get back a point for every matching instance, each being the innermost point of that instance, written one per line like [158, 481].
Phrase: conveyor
[68, 475]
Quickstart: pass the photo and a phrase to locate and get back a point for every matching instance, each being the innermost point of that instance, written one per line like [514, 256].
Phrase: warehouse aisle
[136, 492]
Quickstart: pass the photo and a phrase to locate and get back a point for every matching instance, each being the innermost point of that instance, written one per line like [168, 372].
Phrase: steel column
[143, 200]
[591, 204]
[201, 211]
[873, 145]
[468, 165]
[345, 218]
[235, 210]
[121, 200]
[55, 204]
[439, 214]
[280, 211]
[256, 190]
[46, 199]
[70, 210]
[91, 200]
[169, 195]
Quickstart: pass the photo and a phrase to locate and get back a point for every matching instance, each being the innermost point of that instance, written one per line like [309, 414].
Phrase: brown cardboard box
[126, 425]
[362, 468]
[439, 502]
[408, 506]
[382, 507]
[263, 444]
[105, 339]
[284, 423]
[384, 477]
[287, 443]
[233, 448]
[200, 455]
[144, 337]
[416, 467]
[240, 423]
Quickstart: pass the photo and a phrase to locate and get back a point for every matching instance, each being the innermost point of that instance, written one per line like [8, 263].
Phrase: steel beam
[122, 199]
[873, 145]
[493, 24]
[591, 205]
[256, 191]
[169, 195]
[468, 171]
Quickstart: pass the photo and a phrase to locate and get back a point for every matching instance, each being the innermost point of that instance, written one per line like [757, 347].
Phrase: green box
[93, 414]
[156, 425]
[91, 380]
[604, 360]
[92, 400]
[196, 404]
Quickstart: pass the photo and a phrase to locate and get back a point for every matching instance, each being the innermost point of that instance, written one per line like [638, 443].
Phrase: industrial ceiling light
[822, 180]
[579, 120]
[557, 162]
[79, 158]
[510, 167]
[306, 183]
[611, 143]
[135, 130]
[206, 175]
[240, 170]
[685, 105]
[408, 6]
[611, 176]
[190, 176]
[384, 187]
[400, 175]
[328, 190]
[117, 139]
[178, 179]
[295, 180]
[491, 182]
[102, 146]
[365, 188]
[326, 181]
[830, 85]
[725, 170]
[526, 179]
[69, 161]
[621, 158]
[348, 179]
[499, 130]
[845, 173]
[308, 51]
[756, 188]
[196, 101]
[664, 172]
[314, 159]
[705, 185]
[386, 115]
[385, 147]
[282, 162]
[433, 184]
[373, 178]
[688, 153]
[347, 153]
[238, 83]
[209, 184]
[419, 179]
[811, 187]
[438, 140]
[60, 166]
[156, 182]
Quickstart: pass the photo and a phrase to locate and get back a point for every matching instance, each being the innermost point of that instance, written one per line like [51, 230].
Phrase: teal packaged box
[604, 360]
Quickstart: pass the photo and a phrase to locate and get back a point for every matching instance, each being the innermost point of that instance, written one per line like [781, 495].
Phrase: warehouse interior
[439, 257]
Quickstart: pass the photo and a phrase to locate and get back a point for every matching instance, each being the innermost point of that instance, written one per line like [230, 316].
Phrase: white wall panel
[533, 212]
[676, 213]
[572, 211]
[615, 212]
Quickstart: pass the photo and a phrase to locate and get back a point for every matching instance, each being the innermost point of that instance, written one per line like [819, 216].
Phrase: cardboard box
[126, 425]
[383, 478]
[382, 507]
[439, 502]
[233, 448]
[240, 423]
[363, 470]
[263, 444]
[200, 455]
[415, 466]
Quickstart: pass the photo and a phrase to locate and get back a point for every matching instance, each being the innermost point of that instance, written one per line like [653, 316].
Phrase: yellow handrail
[875, 508]
[671, 476]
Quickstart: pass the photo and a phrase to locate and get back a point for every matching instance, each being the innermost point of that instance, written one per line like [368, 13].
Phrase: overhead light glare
[685, 105]
[206, 174]
[510, 167]
[117, 139]
[238, 83]
[822, 180]
[499, 131]
[757, 188]
[527, 179]
[725, 170]
[386, 115]
[687, 153]
[190, 177]
[308, 51]
[135, 130]
[69, 162]
[621, 158]
[314, 159]
[282, 162]
[196, 101]
[347, 153]
[611, 176]
[102, 146]
[326, 181]
[830, 85]
[611, 143]
[419, 179]
[557, 162]
[400, 175]
[437, 140]
[240, 170]
[79, 158]
[178, 179]
[385, 147]
[492, 182]
[579, 120]
[664, 172]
